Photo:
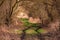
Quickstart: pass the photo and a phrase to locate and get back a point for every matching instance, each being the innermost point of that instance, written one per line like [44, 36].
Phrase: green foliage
[33, 25]
[31, 31]
[24, 19]
[41, 30]
[27, 23]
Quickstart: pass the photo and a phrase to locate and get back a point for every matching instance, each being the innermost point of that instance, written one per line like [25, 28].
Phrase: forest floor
[9, 33]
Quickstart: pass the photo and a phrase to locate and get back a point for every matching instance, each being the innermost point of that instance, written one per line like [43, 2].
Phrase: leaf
[34, 24]
[41, 30]
[30, 31]
[27, 23]
[24, 19]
